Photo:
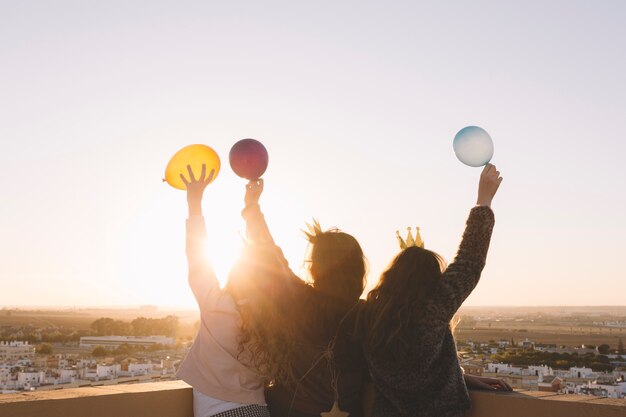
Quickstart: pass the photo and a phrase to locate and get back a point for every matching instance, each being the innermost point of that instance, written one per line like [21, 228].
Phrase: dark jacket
[327, 345]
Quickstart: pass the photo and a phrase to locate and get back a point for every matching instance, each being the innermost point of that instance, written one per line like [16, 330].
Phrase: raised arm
[462, 275]
[202, 279]
[256, 228]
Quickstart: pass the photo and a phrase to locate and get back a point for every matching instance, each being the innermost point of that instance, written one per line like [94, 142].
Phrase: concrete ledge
[154, 399]
[543, 404]
[175, 399]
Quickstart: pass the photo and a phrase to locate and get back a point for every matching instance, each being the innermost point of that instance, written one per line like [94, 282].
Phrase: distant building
[16, 350]
[133, 367]
[28, 380]
[550, 383]
[101, 371]
[503, 368]
[503, 344]
[609, 388]
[526, 344]
[116, 341]
[542, 370]
[581, 373]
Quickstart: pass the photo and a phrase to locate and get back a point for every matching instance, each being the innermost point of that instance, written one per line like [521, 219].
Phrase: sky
[357, 103]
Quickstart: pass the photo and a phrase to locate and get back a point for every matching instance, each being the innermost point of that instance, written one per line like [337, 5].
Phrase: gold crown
[410, 240]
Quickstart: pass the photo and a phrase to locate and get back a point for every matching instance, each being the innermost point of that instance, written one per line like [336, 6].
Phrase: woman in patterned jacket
[408, 343]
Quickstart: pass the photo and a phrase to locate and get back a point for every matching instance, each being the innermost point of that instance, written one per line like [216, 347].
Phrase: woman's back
[408, 343]
[327, 356]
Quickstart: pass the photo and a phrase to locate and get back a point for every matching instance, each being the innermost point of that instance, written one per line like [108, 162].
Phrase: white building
[29, 380]
[116, 341]
[61, 376]
[581, 373]
[137, 369]
[100, 371]
[83, 363]
[503, 368]
[543, 370]
[611, 390]
[16, 350]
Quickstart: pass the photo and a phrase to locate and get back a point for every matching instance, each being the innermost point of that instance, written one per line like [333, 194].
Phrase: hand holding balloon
[254, 189]
[191, 157]
[488, 185]
[195, 189]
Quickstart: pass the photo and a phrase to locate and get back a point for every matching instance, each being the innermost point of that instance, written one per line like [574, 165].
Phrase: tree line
[141, 326]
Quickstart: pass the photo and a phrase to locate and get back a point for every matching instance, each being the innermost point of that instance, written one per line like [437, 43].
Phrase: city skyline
[357, 104]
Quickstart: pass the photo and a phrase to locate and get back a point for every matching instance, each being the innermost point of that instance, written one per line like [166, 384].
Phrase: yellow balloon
[195, 156]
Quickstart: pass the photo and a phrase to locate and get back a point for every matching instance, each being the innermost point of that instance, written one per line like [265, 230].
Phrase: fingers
[487, 386]
[490, 170]
[501, 385]
[255, 184]
[210, 177]
[192, 178]
[204, 179]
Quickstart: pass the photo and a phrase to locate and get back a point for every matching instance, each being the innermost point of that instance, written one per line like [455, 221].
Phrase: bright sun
[150, 256]
[149, 253]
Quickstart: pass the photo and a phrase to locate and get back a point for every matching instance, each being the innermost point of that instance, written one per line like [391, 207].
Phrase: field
[81, 319]
[568, 326]
[540, 335]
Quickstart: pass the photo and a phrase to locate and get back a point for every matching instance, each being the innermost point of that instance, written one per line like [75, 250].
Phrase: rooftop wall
[174, 399]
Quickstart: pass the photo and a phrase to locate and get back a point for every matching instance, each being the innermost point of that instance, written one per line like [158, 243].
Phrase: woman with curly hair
[243, 337]
[408, 342]
[325, 369]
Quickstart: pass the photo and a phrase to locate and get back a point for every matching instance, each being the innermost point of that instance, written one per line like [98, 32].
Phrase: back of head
[337, 265]
[394, 304]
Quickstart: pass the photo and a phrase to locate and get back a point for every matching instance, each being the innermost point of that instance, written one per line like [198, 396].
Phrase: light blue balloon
[473, 146]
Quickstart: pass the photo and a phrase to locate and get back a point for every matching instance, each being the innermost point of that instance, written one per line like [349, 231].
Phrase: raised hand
[195, 188]
[254, 189]
[488, 184]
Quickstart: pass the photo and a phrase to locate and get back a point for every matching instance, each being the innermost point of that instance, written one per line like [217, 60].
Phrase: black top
[320, 320]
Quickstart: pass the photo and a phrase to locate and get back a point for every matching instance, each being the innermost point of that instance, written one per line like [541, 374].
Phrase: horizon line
[179, 307]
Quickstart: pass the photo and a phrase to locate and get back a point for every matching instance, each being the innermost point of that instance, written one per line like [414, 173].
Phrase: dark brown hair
[337, 265]
[394, 305]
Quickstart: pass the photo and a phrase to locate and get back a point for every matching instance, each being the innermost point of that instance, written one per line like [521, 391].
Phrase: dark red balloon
[248, 158]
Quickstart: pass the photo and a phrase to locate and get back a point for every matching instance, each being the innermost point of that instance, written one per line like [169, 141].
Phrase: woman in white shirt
[230, 359]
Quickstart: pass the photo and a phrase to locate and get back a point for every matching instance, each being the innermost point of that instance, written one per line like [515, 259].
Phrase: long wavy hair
[395, 304]
[337, 265]
[256, 283]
